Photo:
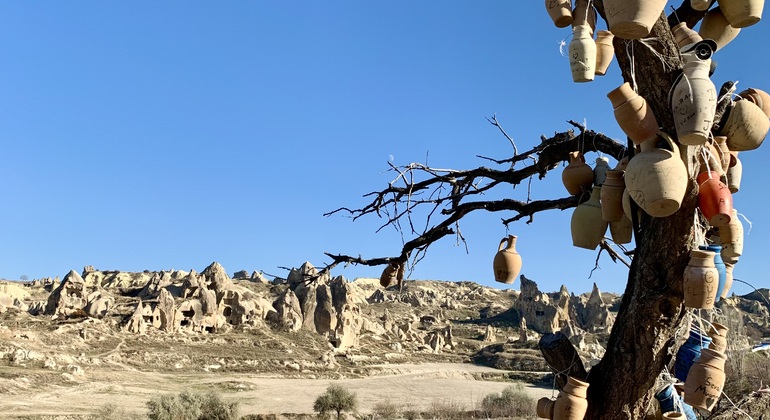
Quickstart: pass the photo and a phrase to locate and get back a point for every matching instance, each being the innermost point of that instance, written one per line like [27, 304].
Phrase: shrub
[386, 410]
[188, 405]
[513, 401]
[447, 410]
[336, 399]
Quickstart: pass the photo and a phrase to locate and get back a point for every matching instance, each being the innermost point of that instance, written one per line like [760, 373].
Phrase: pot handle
[502, 241]
[670, 141]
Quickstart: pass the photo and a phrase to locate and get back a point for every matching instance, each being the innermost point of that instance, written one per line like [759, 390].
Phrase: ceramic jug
[701, 279]
[571, 404]
[718, 335]
[714, 199]
[728, 279]
[584, 14]
[715, 26]
[545, 408]
[684, 35]
[759, 97]
[577, 176]
[633, 114]
[694, 101]
[392, 274]
[507, 262]
[746, 126]
[587, 225]
[622, 230]
[742, 13]
[632, 19]
[612, 196]
[720, 266]
[731, 236]
[560, 12]
[720, 143]
[582, 54]
[705, 380]
[688, 352]
[600, 170]
[657, 179]
[605, 52]
[700, 5]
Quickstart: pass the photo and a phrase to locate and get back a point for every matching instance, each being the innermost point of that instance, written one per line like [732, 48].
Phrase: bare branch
[496, 123]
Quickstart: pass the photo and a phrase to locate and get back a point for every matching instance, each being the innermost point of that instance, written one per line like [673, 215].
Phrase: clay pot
[392, 274]
[714, 199]
[720, 142]
[728, 279]
[587, 225]
[718, 334]
[734, 175]
[731, 236]
[571, 404]
[582, 54]
[545, 408]
[685, 36]
[715, 26]
[746, 126]
[657, 179]
[621, 231]
[689, 351]
[701, 280]
[700, 5]
[632, 19]
[507, 262]
[584, 14]
[742, 13]
[705, 380]
[720, 266]
[622, 164]
[605, 52]
[693, 103]
[674, 415]
[560, 12]
[577, 176]
[633, 114]
[709, 159]
[759, 97]
[600, 170]
[612, 196]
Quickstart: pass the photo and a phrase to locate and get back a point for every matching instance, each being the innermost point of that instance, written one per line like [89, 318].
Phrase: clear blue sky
[156, 135]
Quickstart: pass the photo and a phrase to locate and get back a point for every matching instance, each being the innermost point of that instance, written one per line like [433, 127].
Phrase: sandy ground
[408, 385]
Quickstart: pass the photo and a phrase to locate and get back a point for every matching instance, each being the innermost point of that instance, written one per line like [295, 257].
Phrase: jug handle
[670, 141]
[502, 241]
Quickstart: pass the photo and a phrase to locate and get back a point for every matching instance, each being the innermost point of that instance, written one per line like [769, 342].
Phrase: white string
[729, 94]
[736, 407]
[747, 221]
[563, 372]
[663, 59]
[632, 67]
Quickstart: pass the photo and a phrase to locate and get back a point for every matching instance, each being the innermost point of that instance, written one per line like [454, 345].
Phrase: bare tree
[642, 340]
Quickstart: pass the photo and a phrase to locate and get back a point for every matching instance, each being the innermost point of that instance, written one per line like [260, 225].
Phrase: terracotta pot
[560, 12]
[715, 26]
[705, 380]
[605, 52]
[577, 176]
[701, 280]
[742, 13]
[633, 114]
[622, 231]
[545, 408]
[600, 170]
[632, 19]
[582, 54]
[714, 199]
[720, 266]
[693, 103]
[622, 164]
[392, 274]
[584, 14]
[734, 175]
[746, 126]
[729, 267]
[759, 97]
[685, 36]
[700, 5]
[710, 160]
[571, 404]
[507, 262]
[720, 142]
[688, 352]
[587, 225]
[612, 196]
[718, 334]
[731, 236]
[674, 415]
[657, 179]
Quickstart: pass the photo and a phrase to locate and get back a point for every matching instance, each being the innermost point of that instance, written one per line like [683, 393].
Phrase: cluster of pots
[570, 404]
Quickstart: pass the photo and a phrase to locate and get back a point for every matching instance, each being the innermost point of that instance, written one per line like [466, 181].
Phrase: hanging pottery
[577, 176]
[742, 13]
[560, 12]
[705, 380]
[626, 200]
[600, 170]
[605, 52]
[582, 54]
[657, 179]
[759, 97]
[632, 19]
[507, 262]
[670, 401]
[622, 164]
[587, 225]
[718, 334]
[689, 351]
[720, 266]
[734, 175]
[715, 26]
[709, 159]
[633, 114]
[693, 99]
[622, 230]
[584, 14]
[729, 267]
[700, 5]
[571, 404]
[714, 199]
[392, 275]
[545, 408]
[746, 126]
[720, 142]
[685, 36]
[701, 280]
[673, 415]
[731, 236]
[612, 196]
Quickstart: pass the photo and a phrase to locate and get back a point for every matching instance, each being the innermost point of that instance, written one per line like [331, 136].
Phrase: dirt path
[408, 385]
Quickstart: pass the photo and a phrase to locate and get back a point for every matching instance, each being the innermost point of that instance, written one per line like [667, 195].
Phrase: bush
[336, 399]
[513, 401]
[386, 410]
[191, 406]
[447, 410]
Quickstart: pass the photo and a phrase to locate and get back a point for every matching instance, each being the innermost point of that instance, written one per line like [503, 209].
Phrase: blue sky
[157, 135]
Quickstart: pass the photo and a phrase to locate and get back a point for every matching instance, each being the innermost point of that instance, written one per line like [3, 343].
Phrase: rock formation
[216, 279]
[288, 313]
[543, 313]
[592, 314]
[166, 311]
[68, 298]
